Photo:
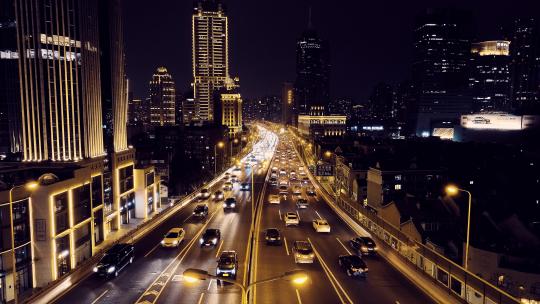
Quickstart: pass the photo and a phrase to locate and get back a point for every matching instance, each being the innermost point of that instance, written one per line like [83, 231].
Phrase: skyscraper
[287, 103]
[441, 68]
[231, 112]
[381, 103]
[525, 52]
[60, 81]
[490, 76]
[210, 56]
[162, 98]
[312, 84]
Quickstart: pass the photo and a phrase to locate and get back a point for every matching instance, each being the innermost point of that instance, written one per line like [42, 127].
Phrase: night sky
[370, 41]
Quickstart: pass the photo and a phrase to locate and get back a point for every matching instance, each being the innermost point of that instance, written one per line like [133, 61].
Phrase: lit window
[397, 186]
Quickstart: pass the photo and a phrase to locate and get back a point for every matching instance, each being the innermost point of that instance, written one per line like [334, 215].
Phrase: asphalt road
[156, 274]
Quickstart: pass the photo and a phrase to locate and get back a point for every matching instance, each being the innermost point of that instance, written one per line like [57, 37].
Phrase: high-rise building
[441, 68]
[381, 103]
[162, 98]
[341, 106]
[231, 112]
[525, 52]
[312, 86]
[61, 109]
[287, 103]
[210, 56]
[490, 76]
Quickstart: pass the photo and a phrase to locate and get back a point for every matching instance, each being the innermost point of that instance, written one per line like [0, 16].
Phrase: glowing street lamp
[327, 154]
[453, 190]
[218, 145]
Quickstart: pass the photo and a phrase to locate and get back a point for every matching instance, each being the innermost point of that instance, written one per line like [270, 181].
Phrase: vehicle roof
[211, 230]
[176, 229]
[302, 244]
[228, 253]
[117, 247]
[291, 213]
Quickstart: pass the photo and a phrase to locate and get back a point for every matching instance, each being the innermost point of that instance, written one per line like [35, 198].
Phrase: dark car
[229, 203]
[244, 187]
[218, 195]
[227, 265]
[364, 245]
[272, 236]
[200, 211]
[353, 265]
[114, 260]
[210, 238]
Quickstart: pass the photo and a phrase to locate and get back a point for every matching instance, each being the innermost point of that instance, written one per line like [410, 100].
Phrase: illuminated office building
[490, 76]
[287, 103]
[210, 56]
[162, 99]
[231, 108]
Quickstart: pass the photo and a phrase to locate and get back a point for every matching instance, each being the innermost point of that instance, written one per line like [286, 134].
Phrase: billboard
[325, 170]
[492, 121]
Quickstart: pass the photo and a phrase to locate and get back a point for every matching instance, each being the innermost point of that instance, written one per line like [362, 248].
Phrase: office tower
[287, 103]
[59, 79]
[10, 113]
[440, 68]
[381, 103]
[311, 88]
[210, 55]
[162, 98]
[525, 53]
[490, 76]
[231, 111]
[341, 106]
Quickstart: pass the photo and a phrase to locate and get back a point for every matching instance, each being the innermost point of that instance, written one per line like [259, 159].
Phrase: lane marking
[344, 247]
[286, 247]
[298, 296]
[100, 296]
[219, 248]
[331, 276]
[210, 284]
[187, 218]
[152, 250]
[320, 217]
[201, 298]
[279, 210]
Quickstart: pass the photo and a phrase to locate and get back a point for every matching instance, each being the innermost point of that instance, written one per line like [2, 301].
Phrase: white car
[173, 238]
[297, 190]
[291, 218]
[274, 199]
[321, 225]
[303, 252]
[204, 194]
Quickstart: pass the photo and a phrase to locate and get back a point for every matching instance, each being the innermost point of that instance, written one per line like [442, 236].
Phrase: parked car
[114, 260]
[353, 265]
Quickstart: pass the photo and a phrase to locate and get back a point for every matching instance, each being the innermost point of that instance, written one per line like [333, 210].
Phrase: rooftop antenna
[309, 17]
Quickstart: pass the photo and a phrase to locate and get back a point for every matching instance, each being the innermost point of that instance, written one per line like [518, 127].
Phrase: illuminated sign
[325, 170]
[492, 121]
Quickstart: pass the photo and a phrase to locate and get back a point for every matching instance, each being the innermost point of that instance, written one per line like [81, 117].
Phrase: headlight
[224, 205]
[111, 269]
[214, 241]
[363, 248]
[175, 242]
[163, 242]
[218, 271]
[95, 269]
[233, 205]
[201, 241]
[233, 271]
[311, 255]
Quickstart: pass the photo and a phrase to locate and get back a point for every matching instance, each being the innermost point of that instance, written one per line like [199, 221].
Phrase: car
[283, 189]
[244, 187]
[303, 252]
[227, 186]
[227, 264]
[229, 203]
[353, 265]
[321, 225]
[200, 211]
[291, 218]
[363, 245]
[310, 191]
[273, 175]
[296, 189]
[234, 178]
[173, 238]
[272, 236]
[204, 193]
[210, 238]
[273, 181]
[282, 171]
[305, 180]
[114, 260]
[237, 168]
[301, 203]
[218, 195]
[274, 199]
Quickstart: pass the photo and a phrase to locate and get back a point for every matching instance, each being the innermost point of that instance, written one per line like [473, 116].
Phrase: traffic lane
[316, 290]
[235, 227]
[384, 284]
[149, 260]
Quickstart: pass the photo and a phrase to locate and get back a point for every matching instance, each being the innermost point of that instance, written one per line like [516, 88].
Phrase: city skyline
[379, 62]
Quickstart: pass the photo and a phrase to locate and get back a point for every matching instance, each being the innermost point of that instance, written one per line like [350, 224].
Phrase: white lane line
[210, 284]
[298, 296]
[152, 250]
[279, 210]
[320, 217]
[219, 248]
[231, 220]
[286, 247]
[100, 296]
[344, 247]
[201, 298]
[187, 218]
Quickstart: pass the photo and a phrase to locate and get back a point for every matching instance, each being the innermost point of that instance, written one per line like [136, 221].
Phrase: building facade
[287, 103]
[162, 98]
[231, 116]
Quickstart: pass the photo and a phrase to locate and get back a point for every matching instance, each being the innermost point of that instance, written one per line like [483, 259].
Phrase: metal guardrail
[459, 282]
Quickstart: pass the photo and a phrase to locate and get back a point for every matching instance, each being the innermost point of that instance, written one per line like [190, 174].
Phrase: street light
[327, 154]
[30, 186]
[453, 190]
[218, 145]
[297, 277]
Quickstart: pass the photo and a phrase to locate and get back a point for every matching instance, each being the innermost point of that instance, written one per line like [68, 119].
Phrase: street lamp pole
[453, 190]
